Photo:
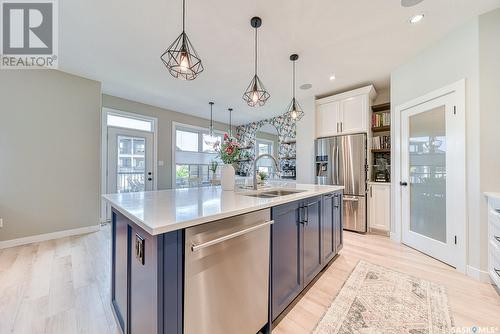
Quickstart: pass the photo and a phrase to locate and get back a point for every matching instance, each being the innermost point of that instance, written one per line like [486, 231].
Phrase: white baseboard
[477, 274]
[48, 236]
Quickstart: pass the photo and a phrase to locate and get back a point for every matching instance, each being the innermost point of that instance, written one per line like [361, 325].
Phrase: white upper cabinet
[344, 113]
[327, 114]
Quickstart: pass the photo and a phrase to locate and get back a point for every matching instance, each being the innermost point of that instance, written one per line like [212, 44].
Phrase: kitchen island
[203, 260]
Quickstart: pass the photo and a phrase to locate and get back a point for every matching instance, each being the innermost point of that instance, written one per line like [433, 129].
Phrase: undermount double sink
[274, 193]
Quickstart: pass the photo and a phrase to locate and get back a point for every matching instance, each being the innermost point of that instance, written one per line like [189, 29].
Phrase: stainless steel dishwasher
[227, 275]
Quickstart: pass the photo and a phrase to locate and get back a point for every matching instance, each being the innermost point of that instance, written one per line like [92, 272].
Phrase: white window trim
[104, 149]
[271, 142]
[195, 128]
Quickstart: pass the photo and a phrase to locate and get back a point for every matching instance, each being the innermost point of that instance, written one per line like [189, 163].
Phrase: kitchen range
[203, 260]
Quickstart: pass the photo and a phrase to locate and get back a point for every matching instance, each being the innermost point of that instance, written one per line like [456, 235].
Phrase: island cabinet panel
[147, 284]
[338, 222]
[286, 256]
[312, 239]
[328, 227]
[331, 225]
[143, 282]
[119, 270]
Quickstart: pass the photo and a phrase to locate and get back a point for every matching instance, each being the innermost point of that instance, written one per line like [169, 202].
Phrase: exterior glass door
[130, 155]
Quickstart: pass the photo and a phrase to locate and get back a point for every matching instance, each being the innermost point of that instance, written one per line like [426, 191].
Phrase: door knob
[403, 184]
[150, 179]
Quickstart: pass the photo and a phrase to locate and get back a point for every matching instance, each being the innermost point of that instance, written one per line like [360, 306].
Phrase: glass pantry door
[432, 162]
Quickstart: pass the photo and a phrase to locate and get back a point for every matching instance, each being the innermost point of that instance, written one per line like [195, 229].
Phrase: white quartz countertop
[164, 211]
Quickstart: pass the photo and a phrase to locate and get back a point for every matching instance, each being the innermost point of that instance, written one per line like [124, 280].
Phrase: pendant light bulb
[255, 96]
[184, 64]
[294, 114]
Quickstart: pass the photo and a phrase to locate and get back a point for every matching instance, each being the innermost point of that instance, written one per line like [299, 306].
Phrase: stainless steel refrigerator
[341, 160]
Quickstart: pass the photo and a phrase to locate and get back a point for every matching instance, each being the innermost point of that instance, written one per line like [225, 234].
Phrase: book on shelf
[381, 142]
[381, 119]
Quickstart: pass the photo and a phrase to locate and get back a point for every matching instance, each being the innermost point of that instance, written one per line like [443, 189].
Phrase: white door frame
[104, 151]
[458, 88]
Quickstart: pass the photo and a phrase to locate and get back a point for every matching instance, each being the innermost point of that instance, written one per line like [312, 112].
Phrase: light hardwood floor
[62, 286]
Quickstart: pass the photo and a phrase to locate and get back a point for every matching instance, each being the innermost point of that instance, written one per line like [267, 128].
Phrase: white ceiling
[119, 42]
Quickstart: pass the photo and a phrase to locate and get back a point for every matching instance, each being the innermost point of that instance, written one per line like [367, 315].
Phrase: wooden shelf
[244, 160]
[289, 142]
[381, 150]
[381, 128]
[288, 158]
[382, 107]
[246, 147]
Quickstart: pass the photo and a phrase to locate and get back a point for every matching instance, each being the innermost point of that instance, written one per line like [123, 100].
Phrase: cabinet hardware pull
[306, 216]
[371, 193]
[338, 127]
[195, 248]
[497, 271]
[341, 126]
[497, 237]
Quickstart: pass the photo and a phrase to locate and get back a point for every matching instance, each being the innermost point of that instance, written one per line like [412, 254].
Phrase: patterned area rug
[379, 300]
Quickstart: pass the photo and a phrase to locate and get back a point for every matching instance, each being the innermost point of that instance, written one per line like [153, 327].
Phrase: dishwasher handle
[195, 248]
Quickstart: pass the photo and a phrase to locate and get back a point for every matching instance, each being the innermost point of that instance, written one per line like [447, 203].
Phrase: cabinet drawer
[494, 231]
[494, 217]
[494, 263]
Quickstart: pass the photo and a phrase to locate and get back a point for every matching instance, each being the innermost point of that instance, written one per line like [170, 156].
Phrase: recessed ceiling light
[306, 86]
[332, 77]
[410, 3]
[416, 18]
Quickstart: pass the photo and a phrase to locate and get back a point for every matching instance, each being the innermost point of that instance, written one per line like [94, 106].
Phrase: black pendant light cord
[293, 89]
[183, 15]
[256, 51]
[211, 119]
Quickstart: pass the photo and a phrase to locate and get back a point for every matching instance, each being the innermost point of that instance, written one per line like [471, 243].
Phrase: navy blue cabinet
[305, 236]
[331, 225]
[147, 279]
[286, 258]
[311, 229]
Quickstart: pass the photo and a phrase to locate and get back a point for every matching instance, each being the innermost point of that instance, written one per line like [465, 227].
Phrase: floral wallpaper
[246, 135]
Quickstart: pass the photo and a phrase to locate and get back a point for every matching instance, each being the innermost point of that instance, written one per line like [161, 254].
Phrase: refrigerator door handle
[351, 199]
[337, 161]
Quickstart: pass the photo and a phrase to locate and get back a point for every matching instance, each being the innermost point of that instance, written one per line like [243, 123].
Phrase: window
[122, 121]
[265, 165]
[192, 156]
[186, 141]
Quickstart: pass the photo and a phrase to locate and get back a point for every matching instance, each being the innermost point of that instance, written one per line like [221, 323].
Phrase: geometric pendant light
[294, 111]
[256, 94]
[211, 139]
[181, 58]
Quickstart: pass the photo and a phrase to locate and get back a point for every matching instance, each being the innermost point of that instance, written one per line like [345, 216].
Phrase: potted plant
[229, 152]
[213, 168]
[263, 176]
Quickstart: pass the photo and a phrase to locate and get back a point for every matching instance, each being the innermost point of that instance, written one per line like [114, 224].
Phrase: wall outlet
[1, 222]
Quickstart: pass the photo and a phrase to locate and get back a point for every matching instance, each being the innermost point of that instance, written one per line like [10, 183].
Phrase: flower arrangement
[229, 150]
